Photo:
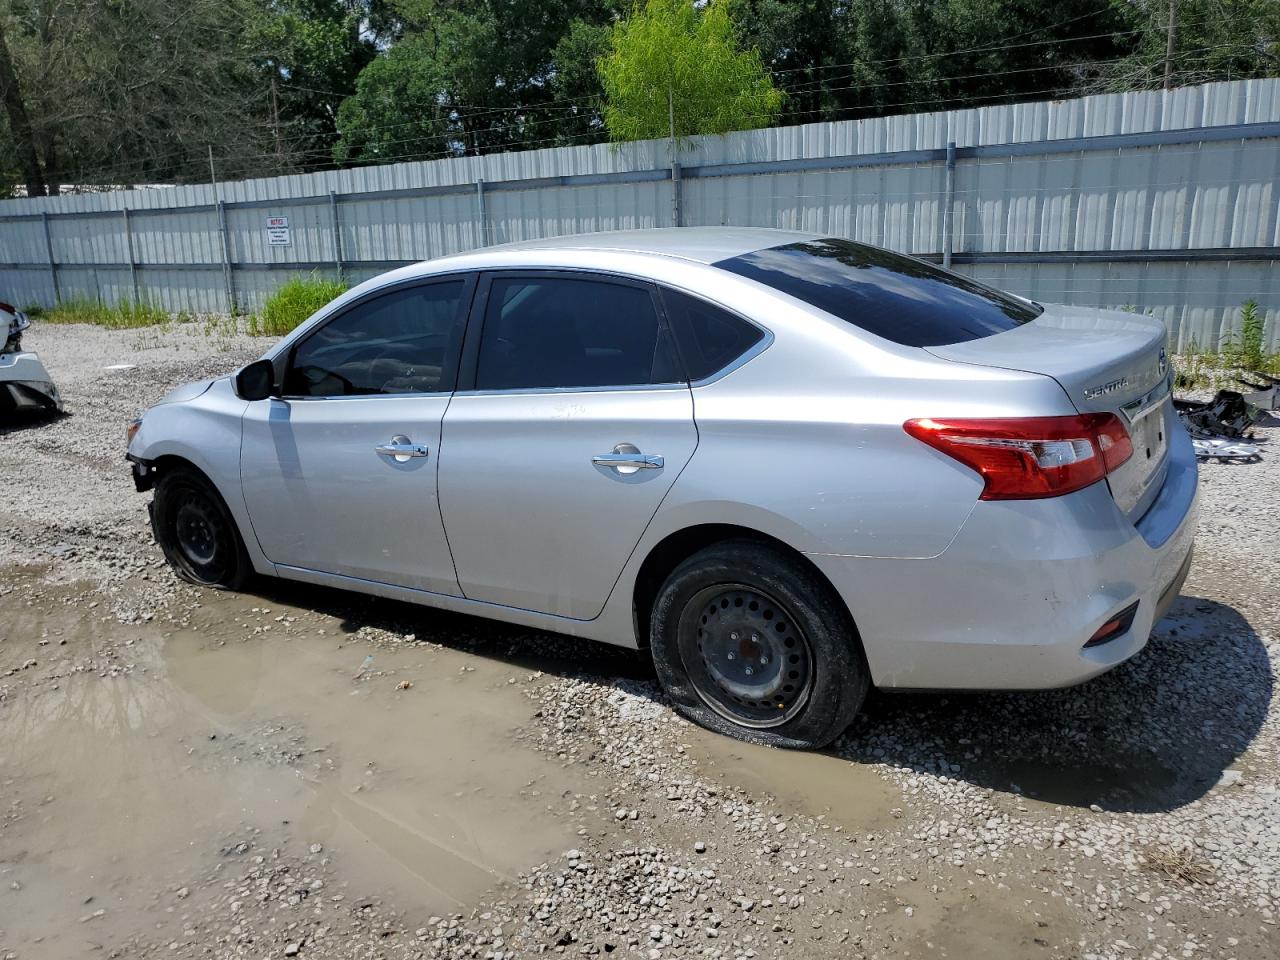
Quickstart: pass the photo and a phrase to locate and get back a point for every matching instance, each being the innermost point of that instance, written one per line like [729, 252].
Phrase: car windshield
[893, 296]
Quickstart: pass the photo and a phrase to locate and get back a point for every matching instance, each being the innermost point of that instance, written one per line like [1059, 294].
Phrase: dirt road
[297, 771]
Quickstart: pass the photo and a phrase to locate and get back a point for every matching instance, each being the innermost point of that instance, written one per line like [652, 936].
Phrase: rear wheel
[197, 532]
[748, 641]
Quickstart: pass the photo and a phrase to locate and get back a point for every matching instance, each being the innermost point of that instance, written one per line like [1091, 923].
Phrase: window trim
[449, 368]
[470, 363]
[757, 348]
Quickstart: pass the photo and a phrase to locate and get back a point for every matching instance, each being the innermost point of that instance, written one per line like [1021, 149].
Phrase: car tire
[749, 641]
[196, 531]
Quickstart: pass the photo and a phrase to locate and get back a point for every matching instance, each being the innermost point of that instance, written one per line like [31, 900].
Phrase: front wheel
[197, 532]
[748, 641]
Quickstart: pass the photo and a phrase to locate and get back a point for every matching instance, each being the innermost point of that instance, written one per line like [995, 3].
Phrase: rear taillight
[1024, 458]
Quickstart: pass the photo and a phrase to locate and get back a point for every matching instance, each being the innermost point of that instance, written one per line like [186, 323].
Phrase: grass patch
[296, 300]
[125, 315]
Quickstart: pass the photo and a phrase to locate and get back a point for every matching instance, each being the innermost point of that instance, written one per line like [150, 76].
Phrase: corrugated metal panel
[1199, 303]
[1187, 195]
[27, 285]
[179, 237]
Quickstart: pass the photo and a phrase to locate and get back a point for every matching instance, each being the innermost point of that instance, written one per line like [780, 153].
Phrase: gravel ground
[1135, 816]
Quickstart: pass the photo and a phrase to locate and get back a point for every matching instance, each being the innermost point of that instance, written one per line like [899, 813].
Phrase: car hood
[188, 391]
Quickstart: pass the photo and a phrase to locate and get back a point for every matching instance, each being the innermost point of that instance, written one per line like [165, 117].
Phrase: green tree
[109, 93]
[471, 76]
[309, 53]
[1212, 40]
[674, 68]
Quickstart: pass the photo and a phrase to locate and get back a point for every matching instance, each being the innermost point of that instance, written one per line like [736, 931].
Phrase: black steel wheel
[748, 640]
[197, 532]
[747, 657]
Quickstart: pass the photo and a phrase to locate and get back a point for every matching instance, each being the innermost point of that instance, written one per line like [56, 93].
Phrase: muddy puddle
[133, 757]
[120, 789]
[845, 794]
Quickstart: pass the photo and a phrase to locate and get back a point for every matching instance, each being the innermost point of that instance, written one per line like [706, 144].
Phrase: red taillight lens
[1024, 458]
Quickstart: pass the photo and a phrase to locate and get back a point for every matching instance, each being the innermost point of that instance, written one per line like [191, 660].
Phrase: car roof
[699, 244]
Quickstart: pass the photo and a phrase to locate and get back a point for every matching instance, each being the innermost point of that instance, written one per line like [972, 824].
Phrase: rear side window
[709, 337]
[404, 341]
[567, 332]
[899, 298]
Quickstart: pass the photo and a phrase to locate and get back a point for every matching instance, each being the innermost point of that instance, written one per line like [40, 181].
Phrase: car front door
[571, 422]
[339, 472]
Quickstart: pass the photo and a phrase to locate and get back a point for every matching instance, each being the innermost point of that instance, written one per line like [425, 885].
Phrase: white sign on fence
[278, 231]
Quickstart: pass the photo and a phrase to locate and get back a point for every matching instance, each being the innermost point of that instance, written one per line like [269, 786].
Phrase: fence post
[677, 195]
[949, 203]
[53, 264]
[482, 212]
[337, 233]
[226, 258]
[133, 265]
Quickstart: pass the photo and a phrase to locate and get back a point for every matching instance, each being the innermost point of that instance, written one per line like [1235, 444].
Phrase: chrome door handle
[637, 461]
[402, 448]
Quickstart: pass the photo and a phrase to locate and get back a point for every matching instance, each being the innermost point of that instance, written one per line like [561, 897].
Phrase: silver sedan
[791, 467]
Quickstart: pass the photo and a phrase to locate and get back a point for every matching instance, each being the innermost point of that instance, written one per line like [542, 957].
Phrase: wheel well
[673, 550]
[170, 461]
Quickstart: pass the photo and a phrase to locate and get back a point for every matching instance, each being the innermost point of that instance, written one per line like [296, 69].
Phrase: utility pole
[1172, 42]
[275, 124]
[213, 177]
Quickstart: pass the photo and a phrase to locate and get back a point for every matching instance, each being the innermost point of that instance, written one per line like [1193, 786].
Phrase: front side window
[568, 332]
[399, 342]
[893, 296]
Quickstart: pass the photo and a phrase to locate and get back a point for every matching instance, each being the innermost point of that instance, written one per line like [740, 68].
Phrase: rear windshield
[899, 298]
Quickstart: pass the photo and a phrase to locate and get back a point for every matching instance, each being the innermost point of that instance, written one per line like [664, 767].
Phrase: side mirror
[257, 381]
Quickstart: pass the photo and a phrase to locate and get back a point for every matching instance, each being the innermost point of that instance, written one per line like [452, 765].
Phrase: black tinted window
[710, 338]
[899, 298]
[563, 332]
[400, 342]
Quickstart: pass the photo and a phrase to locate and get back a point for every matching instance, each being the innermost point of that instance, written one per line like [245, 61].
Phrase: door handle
[402, 448]
[636, 461]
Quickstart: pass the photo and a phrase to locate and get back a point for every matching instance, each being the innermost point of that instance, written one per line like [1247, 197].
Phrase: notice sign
[278, 231]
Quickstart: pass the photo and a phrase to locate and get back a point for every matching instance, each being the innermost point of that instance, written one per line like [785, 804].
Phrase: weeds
[1238, 355]
[1252, 325]
[1180, 865]
[296, 300]
[125, 315]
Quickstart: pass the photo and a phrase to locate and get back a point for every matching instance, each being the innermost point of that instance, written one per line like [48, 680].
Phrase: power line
[453, 127]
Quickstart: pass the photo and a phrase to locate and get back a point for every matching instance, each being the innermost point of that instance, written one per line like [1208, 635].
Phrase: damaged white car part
[24, 382]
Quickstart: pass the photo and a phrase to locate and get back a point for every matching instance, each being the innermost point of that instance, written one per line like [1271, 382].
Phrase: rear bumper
[1012, 601]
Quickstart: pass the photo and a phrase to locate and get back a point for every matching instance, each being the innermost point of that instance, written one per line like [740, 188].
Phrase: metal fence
[1163, 201]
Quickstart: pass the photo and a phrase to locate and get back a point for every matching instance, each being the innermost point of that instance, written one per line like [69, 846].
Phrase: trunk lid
[1107, 362]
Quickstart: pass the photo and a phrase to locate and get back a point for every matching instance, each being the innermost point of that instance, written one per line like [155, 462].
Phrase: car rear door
[571, 422]
[339, 474]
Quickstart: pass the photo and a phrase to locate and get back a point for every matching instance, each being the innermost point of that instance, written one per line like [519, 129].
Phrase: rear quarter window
[709, 337]
[896, 297]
